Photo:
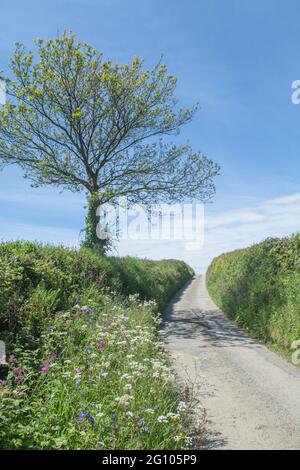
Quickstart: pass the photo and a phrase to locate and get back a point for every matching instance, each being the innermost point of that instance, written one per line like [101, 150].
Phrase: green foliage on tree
[80, 122]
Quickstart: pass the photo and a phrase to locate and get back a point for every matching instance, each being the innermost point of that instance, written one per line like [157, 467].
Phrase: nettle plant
[80, 122]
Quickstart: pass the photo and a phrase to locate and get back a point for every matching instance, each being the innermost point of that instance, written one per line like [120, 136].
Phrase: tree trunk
[92, 241]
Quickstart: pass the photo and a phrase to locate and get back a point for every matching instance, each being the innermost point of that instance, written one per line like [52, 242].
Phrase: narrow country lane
[251, 395]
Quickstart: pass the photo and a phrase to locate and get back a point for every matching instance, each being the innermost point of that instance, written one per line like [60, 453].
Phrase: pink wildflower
[100, 345]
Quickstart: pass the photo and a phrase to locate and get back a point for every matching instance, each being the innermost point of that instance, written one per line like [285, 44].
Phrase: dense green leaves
[40, 280]
[259, 287]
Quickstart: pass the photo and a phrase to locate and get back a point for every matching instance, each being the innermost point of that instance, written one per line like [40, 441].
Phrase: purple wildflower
[44, 367]
[4, 384]
[19, 375]
[100, 345]
[86, 415]
[82, 416]
[11, 360]
[53, 358]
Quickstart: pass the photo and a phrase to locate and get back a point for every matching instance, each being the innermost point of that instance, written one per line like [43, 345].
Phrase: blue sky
[237, 58]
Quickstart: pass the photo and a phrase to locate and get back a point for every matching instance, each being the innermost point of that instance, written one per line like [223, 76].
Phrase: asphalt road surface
[250, 394]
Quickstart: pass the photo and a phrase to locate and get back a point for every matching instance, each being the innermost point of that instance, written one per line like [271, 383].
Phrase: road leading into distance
[250, 394]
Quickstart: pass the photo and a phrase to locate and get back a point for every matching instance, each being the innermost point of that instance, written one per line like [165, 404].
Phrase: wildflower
[11, 360]
[99, 280]
[141, 422]
[187, 393]
[19, 378]
[114, 416]
[126, 376]
[44, 367]
[86, 415]
[77, 383]
[53, 358]
[66, 374]
[181, 407]
[100, 345]
[52, 329]
[88, 310]
[82, 416]
[144, 429]
[173, 416]
[4, 384]
[128, 386]
[162, 419]
[100, 444]
[124, 400]
[98, 405]
[129, 414]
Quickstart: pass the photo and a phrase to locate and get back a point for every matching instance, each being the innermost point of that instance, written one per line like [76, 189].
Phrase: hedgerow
[86, 368]
[259, 287]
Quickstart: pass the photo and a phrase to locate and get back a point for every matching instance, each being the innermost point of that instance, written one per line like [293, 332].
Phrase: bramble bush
[259, 287]
[86, 365]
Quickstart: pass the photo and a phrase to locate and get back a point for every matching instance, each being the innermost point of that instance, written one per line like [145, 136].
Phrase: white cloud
[284, 200]
[228, 231]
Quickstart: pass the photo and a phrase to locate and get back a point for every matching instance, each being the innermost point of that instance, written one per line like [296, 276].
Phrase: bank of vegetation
[259, 288]
[85, 365]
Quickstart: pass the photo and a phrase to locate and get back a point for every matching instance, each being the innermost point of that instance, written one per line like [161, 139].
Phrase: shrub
[259, 287]
[33, 275]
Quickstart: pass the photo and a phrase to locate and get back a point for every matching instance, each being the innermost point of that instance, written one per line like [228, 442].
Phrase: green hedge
[259, 287]
[85, 367]
[37, 281]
